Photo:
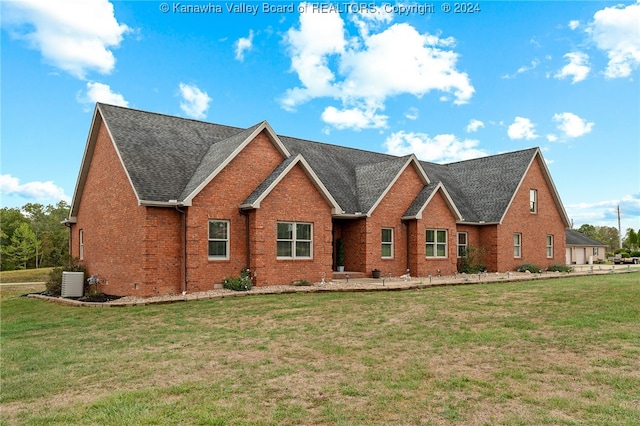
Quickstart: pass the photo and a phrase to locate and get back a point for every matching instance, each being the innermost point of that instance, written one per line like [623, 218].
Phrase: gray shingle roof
[275, 174]
[421, 199]
[575, 238]
[483, 188]
[168, 158]
[216, 155]
[161, 153]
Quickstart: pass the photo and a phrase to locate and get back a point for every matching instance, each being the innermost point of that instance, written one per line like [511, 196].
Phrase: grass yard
[25, 275]
[563, 351]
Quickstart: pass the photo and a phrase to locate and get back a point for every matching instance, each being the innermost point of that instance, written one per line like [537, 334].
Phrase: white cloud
[364, 70]
[578, 67]
[523, 69]
[574, 24]
[605, 213]
[243, 44]
[474, 125]
[441, 148]
[354, 118]
[522, 128]
[616, 31]
[412, 113]
[100, 92]
[571, 125]
[36, 191]
[552, 138]
[75, 36]
[195, 102]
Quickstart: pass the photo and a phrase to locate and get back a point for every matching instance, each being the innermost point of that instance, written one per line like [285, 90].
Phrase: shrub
[301, 283]
[559, 267]
[473, 261]
[54, 284]
[524, 267]
[635, 253]
[240, 283]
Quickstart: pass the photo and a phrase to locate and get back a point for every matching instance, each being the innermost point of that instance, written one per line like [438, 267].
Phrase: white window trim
[436, 243]
[533, 201]
[388, 243]
[465, 245]
[294, 240]
[81, 244]
[227, 240]
[517, 245]
[549, 246]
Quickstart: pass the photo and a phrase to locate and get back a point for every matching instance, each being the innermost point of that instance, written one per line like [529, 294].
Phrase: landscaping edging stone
[345, 286]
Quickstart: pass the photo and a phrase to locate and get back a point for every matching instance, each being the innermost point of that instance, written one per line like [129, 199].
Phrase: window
[436, 243]
[219, 239]
[81, 242]
[294, 240]
[387, 242]
[517, 245]
[595, 251]
[462, 244]
[533, 201]
[549, 246]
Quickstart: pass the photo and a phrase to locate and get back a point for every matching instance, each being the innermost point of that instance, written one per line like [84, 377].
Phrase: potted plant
[340, 255]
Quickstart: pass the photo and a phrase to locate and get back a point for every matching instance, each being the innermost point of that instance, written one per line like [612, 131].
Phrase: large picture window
[294, 240]
[387, 243]
[436, 243]
[218, 239]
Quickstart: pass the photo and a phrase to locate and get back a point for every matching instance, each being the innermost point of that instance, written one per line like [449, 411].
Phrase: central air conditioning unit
[72, 284]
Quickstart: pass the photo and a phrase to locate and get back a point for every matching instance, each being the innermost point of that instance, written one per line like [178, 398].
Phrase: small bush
[301, 283]
[529, 267]
[473, 261]
[240, 283]
[54, 284]
[559, 267]
[635, 253]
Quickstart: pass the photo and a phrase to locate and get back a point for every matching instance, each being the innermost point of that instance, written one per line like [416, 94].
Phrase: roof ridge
[368, 151]
[161, 114]
[535, 148]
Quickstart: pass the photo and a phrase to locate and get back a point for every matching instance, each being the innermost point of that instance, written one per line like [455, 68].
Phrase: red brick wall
[294, 199]
[534, 227]
[221, 199]
[489, 241]
[436, 215]
[122, 241]
[388, 214]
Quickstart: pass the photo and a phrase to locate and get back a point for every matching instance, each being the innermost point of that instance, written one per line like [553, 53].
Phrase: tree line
[33, 237]
[611, 237]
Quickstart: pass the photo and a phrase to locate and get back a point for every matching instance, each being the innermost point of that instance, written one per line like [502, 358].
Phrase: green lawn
[25, 275]
[563, 351]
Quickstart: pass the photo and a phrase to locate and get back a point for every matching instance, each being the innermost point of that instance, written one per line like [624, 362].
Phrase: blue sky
[395, 77]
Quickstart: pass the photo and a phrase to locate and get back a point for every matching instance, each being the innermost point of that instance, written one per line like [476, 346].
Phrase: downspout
[248, 240]
[408, 229]
[68, 225]
[184, 250]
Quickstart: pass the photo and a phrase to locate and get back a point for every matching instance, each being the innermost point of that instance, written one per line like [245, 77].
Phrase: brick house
[168, 205]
